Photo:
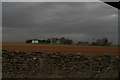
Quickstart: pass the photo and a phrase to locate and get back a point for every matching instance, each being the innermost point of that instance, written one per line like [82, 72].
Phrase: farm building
[35, 41]
[83, 43]
[32, 41]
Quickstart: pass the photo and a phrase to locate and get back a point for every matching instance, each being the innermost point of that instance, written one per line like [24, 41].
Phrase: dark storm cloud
[78, 21]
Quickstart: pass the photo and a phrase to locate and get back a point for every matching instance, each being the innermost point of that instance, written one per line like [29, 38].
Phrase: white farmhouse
[35, 41]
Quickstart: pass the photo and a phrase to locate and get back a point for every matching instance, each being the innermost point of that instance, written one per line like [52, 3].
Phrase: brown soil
[47, 48]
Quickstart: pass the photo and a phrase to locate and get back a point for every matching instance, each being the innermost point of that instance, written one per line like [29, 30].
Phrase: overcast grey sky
[0, 22]
[60, 0]
[80, 21]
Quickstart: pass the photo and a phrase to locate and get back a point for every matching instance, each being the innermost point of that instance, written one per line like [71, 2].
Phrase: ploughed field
[48, 48]
[59, 65]
[22, 60]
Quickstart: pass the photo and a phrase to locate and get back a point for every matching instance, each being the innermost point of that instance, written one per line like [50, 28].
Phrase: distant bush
[102, 42]
[28, 41]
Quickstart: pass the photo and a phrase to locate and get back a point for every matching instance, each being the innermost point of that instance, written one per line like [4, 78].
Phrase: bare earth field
[47, 48]
[22, 60]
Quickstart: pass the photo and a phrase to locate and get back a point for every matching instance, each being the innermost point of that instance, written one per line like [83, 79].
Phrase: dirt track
[89, 50]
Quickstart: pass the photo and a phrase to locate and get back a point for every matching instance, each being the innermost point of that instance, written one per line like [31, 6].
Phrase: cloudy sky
[59, 0]
[79, 21]
[0, 22]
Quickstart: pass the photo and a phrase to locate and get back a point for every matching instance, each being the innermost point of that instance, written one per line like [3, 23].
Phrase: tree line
[102, 42]
[63, 40]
